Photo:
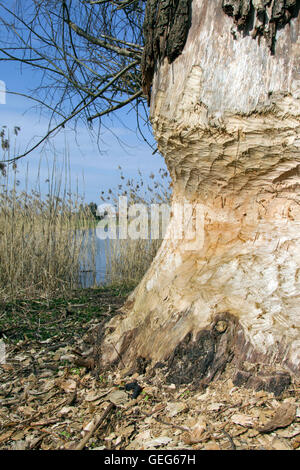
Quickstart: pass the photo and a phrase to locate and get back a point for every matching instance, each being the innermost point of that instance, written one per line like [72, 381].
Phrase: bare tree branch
[114, 108]
[118, 50]
[87, 56]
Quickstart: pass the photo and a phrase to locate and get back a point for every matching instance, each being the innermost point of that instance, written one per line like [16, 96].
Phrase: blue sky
[100, 168]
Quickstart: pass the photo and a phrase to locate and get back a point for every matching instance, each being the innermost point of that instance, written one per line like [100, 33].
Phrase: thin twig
[115, 108]
[94, 40]
[232, 444]
[119, 356]
[95, 426]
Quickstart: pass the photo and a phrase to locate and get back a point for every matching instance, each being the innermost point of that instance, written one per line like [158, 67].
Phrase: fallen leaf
[89, 425]
[242, 420]
[296, 442]
[215, 406]
[67, 357]
[158, 408]
[291, 431]
[20, 358]
[176, 408]
[127, 431]
[65, 410]
[68, 386]
[93, 396]
[118, 397]
[159, 441]
[280, 444]
[19, 445]
[143, 436]
[6, 367]
[196, 433]
[265, 442]
[5, 436]
[26, 410]
[284, 416]
[18, 436]
[212, 446]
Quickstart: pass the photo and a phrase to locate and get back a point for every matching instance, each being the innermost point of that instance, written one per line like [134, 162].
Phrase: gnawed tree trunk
[225, 109]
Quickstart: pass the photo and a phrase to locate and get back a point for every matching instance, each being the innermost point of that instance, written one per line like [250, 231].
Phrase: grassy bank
[64, 316]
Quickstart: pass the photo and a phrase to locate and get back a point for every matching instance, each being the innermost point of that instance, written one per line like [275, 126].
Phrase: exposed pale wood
[226, 116]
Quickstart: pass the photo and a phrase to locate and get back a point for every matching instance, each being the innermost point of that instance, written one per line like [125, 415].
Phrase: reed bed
[48, 238]
[42, 246]
[128, 260]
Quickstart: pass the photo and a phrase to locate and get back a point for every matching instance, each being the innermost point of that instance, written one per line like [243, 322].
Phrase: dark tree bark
[166, 27]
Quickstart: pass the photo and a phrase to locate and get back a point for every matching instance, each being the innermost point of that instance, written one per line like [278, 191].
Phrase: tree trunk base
[216, 350]
[231, 299]
[226, 117]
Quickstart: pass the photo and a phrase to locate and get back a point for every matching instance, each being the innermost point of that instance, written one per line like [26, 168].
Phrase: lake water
[93, 269]
[94, 265]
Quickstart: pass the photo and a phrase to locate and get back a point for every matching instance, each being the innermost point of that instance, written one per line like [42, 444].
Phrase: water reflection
[94, 258]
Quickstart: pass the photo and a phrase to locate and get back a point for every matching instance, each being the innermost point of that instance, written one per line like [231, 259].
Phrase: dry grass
[39, 251]
[40, 255]
[128, 260]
